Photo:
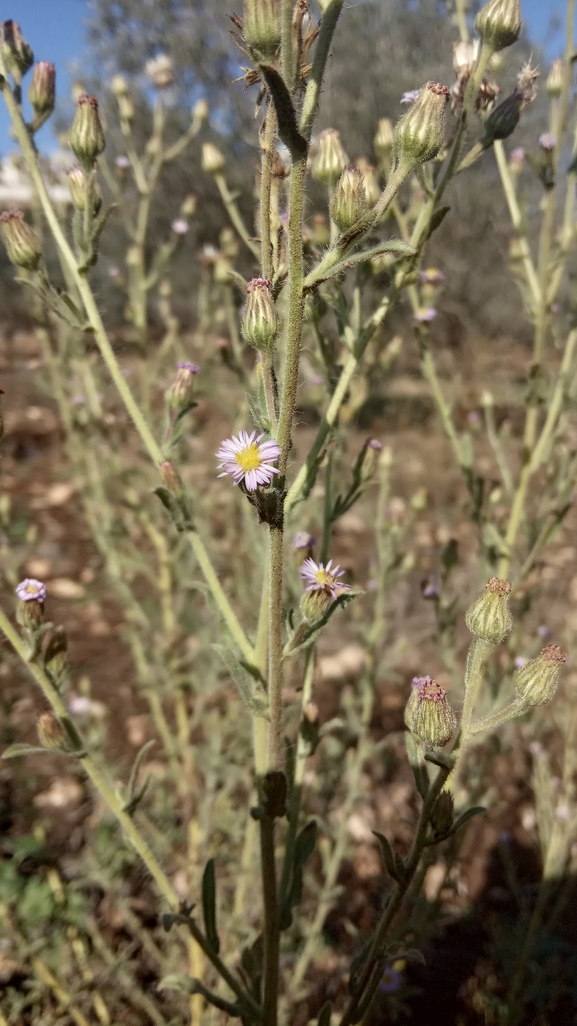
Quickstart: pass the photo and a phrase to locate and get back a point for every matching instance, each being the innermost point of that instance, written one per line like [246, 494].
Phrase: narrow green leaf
[465, 816]
[415, 755]
[136, 766]
[21, 749]
[288, 129]
[388, 854]
[305, 843]
[324, 1018]
[209, 905]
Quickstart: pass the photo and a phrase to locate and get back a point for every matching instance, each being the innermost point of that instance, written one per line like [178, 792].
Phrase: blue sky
[56, 28]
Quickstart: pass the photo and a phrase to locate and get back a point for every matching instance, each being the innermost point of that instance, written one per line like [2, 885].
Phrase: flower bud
[536, 682]
[499, 23]
[555, 79]
[262, 25]
[370, 181]
[171, 479]
[260, 321]
[331, 159]
[213, 162]
[51, 733]
[200, 111]
[383, 142]
[419, 133]
[21, 241]
[428, 714]
[77, 186]
[86, 134]
[442, 814]
[516, 160]
[179, 394]
[30, 609]
[503, 120]
[188, 206]
[489, 618]
[349, 201]
[42, 92]
[119, 86]
[159, 71]
[56, 657]
[17, 54]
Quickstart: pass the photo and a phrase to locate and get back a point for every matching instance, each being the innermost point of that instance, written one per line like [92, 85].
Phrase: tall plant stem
[275, 676]
[287, 56]
[271, 922]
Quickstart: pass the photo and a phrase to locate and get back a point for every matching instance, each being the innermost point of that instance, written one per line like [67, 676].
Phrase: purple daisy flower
[179, 226]
[411, 96]
[122, 162]
[323, 578]
[192, 368]
[425, 315]
[303, 540]
[248, 459]
[391, 980]
[431, 276]
[31, 590]
[548, 141]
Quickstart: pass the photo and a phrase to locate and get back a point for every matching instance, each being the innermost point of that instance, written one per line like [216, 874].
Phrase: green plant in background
[304, 288]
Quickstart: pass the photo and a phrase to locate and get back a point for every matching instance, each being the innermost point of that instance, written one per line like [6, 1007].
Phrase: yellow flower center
[249, 458]
[325, 578]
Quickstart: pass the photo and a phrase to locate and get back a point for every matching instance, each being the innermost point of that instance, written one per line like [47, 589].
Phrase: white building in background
[15, 189]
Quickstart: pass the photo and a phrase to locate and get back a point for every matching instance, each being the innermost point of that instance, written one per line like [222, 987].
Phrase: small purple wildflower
[373, 443]
[431, 276]
[425, 315]
[547, 141]
[79, 705]
[431, 587]
[544, 632]
[122, 161]
[520, 662]
[114, 272]
[303, 540]
[517, 157]
[192, 368]
[248, 459]
[30, 590]
[323, 578]
[411, 96]
[391, 980]
[474, 417]
[179, 226]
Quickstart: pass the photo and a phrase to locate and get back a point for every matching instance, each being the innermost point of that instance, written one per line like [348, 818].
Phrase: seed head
[160, 71]
[260, 322]
[86, 134]
[331, 159]
[262, 26]
[213, 162]
[21, 241]
[499, 23]
[428, 713]
[536, 682]
[349, 201]
[42, 92]
[489, 618]
[419, 133]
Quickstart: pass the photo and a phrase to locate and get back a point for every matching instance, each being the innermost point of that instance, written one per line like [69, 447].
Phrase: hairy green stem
[287, 57]
[275, 676]
[235, 215]
[271, 922]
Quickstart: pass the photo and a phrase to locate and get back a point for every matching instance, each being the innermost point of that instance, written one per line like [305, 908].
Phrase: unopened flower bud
[516, 160]
[42, 92]
[349, 200]
[442, 814]
[419, 133]
[370, 181]
[262, 25]
[30, 609]
[180, 392]
[160, 71]
[86, 134]
[536, 682]
[428, 713]
[21, 241]
[171, 479]
[555, 79]
[383, 142]
[499, 23]
[368, 460]
[17, 54]
[213, 162]
[119, 86]
[51, 733]
[126, 107]
[260, 322]
[56, 657]
[503, 120]
[331, 159]
[77, 186]
[489, 618]
[188, 206]
[200, 111]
